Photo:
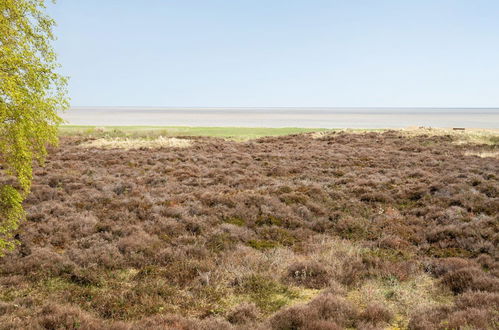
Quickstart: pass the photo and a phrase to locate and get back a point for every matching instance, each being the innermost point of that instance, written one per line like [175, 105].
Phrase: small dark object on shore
[458, 128]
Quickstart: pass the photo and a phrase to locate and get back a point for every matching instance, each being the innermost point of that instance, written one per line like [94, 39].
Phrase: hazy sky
[280, 52]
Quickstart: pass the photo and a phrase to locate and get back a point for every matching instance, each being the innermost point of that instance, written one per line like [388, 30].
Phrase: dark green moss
[235, 221]
[262, 244]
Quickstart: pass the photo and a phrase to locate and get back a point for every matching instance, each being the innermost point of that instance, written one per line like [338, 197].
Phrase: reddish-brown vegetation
[281, 233]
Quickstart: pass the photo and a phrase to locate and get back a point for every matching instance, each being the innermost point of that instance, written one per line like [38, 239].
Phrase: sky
[297, 53]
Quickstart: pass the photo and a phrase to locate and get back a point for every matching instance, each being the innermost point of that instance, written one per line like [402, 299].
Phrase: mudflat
[286, 117]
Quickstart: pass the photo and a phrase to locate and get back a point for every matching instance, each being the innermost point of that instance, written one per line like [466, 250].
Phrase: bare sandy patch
[483, 154]
[460, 135]
[319, 135]
[134, 143]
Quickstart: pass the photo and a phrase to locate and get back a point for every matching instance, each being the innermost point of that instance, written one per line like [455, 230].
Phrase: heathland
[234, 228]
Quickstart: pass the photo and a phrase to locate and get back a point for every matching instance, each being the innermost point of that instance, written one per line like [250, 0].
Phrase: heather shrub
[337, 309]
[96, 250]
[243, 313]
[427, 319]
[183, 271]
[85, 276]
[173, 238]
[321, 325]
[466, 279]
[440, 267]
[353, 272]
[221, 241]
[393, 242]
[486, 261]
[212, 324]
[375, 197]
[478, 299]
[165, 322]
[237, 233]
[376, 313]
[308, 274]
[353, 228]
[65, 317]
[42, 262]
[472, 318]
[6, 308]
[292, 318]
[276, 234]
[326, 311]
[137, 242]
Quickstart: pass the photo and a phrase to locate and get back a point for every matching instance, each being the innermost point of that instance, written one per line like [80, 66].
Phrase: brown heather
[335, 231]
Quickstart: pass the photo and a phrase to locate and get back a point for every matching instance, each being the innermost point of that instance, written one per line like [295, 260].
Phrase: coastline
[284, 117]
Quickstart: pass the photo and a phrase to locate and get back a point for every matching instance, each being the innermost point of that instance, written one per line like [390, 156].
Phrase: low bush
[289, 232]
[328, 311]
[308, 274]
[243, 314]
[376, 313]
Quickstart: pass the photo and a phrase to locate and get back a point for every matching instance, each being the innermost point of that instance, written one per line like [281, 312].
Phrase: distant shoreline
[374, 110]
[312, 117]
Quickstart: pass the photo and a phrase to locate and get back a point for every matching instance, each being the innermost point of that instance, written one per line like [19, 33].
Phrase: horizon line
[279, 107]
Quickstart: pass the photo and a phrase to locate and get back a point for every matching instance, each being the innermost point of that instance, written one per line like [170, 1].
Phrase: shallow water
[285, 117]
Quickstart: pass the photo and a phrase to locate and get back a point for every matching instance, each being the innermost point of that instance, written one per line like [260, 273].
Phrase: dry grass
[230, 133]
[462, 137]
[137, 143]
[491, 154]
[467, 136]
[402, 298]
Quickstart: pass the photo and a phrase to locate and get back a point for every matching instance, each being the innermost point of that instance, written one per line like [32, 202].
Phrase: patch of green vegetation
[154, 287]
[220, 242]
[268, 220]
[293, 198]
[401, 297]
[54, 284]
[262, 244]
[235, 221]
[266, 293]
[355, 228]
[284, 190]
[485, 137]
[144, 272]
[449, 252]
[494, 140]
[406, 204]
[468, 136]
[210, 300]
[232, 133]
[279, 235]
[10, 294]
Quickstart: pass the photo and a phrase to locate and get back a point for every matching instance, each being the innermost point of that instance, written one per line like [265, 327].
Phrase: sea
[285, 117]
